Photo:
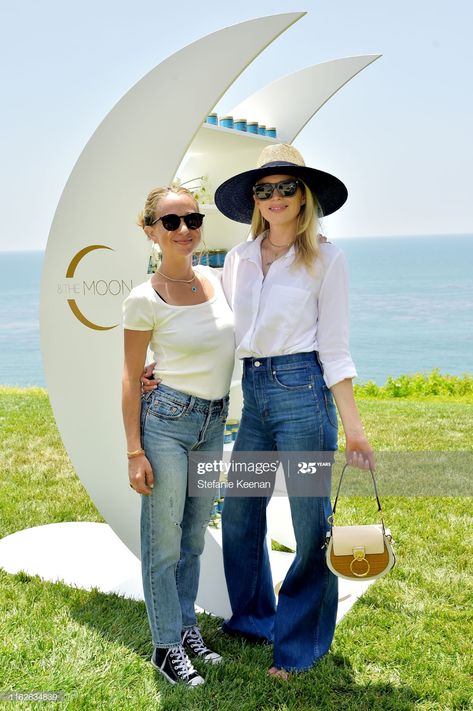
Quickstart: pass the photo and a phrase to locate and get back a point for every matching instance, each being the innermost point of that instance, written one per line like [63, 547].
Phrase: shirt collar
[253, 249]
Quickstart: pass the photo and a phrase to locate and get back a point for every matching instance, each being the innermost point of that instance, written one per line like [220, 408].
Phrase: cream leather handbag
[359, 552]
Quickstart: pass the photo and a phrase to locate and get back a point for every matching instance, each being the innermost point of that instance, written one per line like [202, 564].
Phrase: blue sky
[399, 134]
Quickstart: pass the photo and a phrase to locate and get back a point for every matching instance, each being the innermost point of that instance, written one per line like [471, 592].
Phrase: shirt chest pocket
[283, 308]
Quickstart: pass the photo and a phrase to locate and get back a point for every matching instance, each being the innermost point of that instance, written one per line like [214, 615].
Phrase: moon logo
[71, 269]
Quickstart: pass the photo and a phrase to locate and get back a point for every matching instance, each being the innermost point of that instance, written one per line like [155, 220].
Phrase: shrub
[416, 385]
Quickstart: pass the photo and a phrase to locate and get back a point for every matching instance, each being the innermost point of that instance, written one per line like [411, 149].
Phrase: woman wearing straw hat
[289, 296]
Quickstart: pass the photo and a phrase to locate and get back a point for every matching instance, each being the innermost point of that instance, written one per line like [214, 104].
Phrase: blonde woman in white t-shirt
[288, 293]
[182, 314]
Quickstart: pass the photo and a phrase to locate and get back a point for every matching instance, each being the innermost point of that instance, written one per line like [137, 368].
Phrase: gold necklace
[274, 257]
[278, 246]
[180, 281]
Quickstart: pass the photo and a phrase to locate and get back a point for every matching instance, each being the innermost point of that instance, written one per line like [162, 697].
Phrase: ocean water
[411, 306]
[20, 357]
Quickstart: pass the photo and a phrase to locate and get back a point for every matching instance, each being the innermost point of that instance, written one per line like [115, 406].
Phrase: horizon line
[343, 237]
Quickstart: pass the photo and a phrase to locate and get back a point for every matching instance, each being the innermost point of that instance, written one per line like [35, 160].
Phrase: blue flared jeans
[286, 407]
[173, 524]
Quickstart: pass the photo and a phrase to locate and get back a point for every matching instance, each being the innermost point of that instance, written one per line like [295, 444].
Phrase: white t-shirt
[193, 346]
[290, 310]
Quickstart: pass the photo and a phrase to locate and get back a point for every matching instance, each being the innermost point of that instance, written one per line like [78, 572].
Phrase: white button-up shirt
[290, 310]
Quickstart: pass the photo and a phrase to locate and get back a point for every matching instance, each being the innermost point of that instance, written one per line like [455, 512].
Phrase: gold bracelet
[136, 453]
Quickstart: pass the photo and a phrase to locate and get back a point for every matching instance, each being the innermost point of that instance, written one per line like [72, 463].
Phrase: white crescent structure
[96, 253]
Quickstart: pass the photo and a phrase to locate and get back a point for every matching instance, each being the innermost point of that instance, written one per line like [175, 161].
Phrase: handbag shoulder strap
[334, 508]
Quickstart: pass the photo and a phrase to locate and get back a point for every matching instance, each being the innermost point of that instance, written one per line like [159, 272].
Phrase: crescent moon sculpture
[133, 149]
[290, 102]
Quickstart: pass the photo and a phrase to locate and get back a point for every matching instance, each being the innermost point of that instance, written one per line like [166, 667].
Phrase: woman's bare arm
[358, 450]
[139, 469]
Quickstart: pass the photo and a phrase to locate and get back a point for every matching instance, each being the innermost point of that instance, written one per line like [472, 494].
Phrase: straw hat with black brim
[234, 197]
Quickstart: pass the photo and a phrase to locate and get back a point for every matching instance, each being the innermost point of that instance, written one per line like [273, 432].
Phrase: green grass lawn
[406, 644]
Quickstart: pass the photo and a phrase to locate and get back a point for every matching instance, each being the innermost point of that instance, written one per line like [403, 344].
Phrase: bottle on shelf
[240, 124]
[226, 121]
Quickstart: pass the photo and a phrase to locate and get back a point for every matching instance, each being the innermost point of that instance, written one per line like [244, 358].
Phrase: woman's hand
[148, 382]
[358, 452]
[140, 475]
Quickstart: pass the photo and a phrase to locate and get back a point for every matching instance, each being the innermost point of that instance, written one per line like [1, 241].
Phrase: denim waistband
[274, 361]
[192, 401]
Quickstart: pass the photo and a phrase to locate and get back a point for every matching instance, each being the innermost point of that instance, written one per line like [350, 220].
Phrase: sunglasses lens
[263, 191]
[171, 222]
[194, 220]
[287, 188]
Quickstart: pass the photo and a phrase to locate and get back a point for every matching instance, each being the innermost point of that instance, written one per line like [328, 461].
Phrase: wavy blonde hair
[147, 215]
[306, 243]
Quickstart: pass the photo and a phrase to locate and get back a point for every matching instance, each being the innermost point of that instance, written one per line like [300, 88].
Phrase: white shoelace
[196, 642]
[181, 661]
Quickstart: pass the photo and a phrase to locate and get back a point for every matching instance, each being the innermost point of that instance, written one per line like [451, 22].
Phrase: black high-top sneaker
[192, 640]
[175, 665]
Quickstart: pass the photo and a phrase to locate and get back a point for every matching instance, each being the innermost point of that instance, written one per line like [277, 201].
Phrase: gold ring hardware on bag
[359, 557]
[351, 549]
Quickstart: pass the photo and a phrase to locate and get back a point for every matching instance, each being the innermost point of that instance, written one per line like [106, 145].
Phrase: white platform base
[90, 555]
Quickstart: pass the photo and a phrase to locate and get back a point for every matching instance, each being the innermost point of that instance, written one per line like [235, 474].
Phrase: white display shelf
[236, 133]
[219, 153]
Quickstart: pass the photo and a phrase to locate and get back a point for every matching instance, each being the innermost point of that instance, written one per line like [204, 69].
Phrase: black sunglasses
[172, 222]
[286, 188]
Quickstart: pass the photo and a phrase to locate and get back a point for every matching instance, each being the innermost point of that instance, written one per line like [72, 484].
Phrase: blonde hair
[147, 215]
[306, 244]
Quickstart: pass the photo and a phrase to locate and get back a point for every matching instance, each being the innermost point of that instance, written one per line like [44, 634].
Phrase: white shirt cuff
[338, 370]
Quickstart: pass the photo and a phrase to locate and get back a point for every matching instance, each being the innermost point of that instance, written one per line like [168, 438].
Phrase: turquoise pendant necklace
[181, 281]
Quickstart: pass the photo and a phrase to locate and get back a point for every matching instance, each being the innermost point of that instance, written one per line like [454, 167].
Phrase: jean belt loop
[317, 358]
[191, 403]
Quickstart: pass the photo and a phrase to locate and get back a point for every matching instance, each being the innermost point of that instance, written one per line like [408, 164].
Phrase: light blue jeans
[173, 524]
[286, 407]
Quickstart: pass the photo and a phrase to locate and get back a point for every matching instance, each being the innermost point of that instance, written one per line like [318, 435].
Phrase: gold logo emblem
[71, 269]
